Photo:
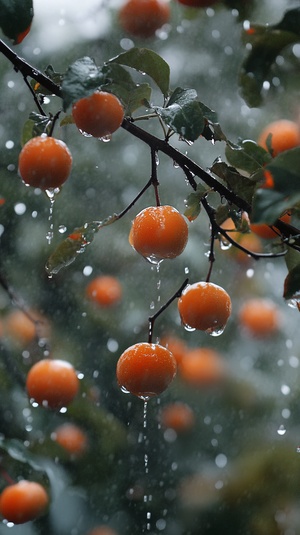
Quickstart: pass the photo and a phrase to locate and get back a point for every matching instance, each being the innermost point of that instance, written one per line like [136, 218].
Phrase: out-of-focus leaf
[241, 185]
[247, 155]
[267, 42]
[16, 18]
[75, 244]
[268, 205]
[82, 78]
[147, 62]
[193, 202]
[183, 114]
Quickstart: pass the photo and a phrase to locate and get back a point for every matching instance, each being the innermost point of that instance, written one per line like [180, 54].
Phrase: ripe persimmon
[281, 135]
[146, 369]
[104, 290]
[98, 115]
[70, 437]
[45, 162]
[204, 306]
[266, 231]
[52, 383]
[178, 416]
[159, 232]
[23, 501]
[260, 317]
[142, 18]
[19, 327]
[202, 367]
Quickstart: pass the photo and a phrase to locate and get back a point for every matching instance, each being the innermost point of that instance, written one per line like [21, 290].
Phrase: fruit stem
[151, 319]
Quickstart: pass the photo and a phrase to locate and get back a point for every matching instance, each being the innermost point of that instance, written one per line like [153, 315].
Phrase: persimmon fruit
[202, 367]
[159, 232]
[71, 438]
[260, 317]
[45, 162]
[177, 416]
[98, 115]
[176, 345]
[52, 383]
[204, 306]
[104, 290]
[284, 135]
[142, 18]
[23, 501]
[146, 369]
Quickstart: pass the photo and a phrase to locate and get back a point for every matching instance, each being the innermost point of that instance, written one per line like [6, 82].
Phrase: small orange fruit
[19, 327]
[145, 369]
[159, 232]
[45, 162]
[260, 317]
[52, 383]
[178, 416]
[98, 115]
[202, 367]
[102, 530]
[70, 437]
[266, 231]
[285, 135]
[204, 306]
[104, 290]
[23, 501]
[141, 18]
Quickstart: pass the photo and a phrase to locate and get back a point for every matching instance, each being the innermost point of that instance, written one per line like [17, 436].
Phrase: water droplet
[298, 449]
[176, 165]
[281, 430]
[105, 139]
[124, 390]
[225, 245]
[154, 260]
[152, 305]
[51, 194]
[188, 328]
[215, 332]
[186, 270]
[85, 134]
[62, 229]
[294, 303]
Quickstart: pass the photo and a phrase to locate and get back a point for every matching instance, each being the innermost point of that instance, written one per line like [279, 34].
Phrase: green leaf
[292, 283]
[118, 81]
[82, 78]
[268, 205]
[267, 42]
[183, 114]
[285, 170]
[239, 184]
[75, 244]
[147, 62]
[193, 202]
[35, 126]
[247, 155]
[16, 18]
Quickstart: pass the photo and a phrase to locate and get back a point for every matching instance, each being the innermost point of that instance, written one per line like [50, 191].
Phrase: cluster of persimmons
[157, 233]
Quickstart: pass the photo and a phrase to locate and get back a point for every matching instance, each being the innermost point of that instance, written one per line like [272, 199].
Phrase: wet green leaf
[247, 155]
[16, 18]
[82, 78]
[193, 202]
[183, 114]
[147, 62]
[239, 184]
[118, 81]
[267, 42]
[35, 126]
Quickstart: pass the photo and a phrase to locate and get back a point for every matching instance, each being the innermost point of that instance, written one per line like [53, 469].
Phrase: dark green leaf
[183, 114]
[16, 18]
[35, 126]
[267, 42]
[75, 244]
[147, 62]
[239, 184]
[285, 170]
[118, 81]
[268, 205]
[193, 203]
[247, 155]
[292, 283]
[82, 78]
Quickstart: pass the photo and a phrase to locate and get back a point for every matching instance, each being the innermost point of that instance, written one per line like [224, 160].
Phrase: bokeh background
[237, 467]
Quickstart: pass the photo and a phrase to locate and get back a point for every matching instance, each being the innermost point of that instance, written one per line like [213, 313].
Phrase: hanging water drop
[281, 430]
[51, 194]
